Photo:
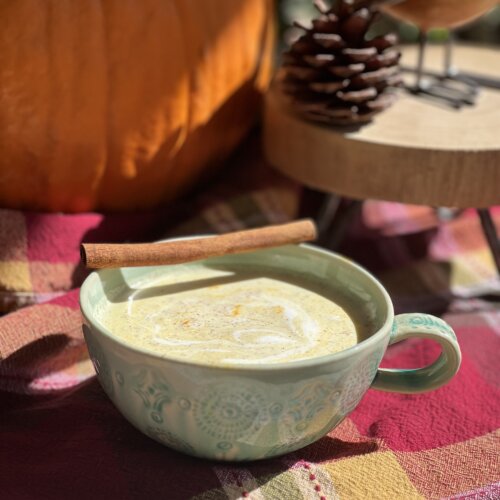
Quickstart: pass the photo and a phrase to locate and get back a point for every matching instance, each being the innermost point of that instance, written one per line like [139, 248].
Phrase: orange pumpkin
[122, 104]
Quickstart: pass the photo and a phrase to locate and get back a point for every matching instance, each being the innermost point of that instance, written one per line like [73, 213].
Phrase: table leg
[327, 213]
[490, 232]
[333, 223]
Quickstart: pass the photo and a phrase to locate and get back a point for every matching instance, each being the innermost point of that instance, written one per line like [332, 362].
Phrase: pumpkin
[124, 104]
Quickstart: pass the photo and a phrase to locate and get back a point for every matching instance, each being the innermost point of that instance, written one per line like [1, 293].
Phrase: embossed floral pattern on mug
[230, 412]
[309, 409]
[99, 360]
[357, 382]
[166, 437]
[154, 391]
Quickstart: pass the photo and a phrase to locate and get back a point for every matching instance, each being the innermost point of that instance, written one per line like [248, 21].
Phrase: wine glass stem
[448, 70]
[422, 41]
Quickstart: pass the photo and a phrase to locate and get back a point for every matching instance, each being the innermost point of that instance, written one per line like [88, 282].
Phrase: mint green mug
[263, 410]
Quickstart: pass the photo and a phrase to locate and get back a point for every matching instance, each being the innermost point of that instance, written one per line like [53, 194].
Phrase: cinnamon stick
[103, 255]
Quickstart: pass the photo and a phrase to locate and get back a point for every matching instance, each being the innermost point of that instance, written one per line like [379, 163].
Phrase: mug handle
[430, 377]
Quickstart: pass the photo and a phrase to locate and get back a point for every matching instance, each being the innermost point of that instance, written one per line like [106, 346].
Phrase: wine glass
[428, 14]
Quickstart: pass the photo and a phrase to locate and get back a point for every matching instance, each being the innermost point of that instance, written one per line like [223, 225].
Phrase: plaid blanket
[60, 435]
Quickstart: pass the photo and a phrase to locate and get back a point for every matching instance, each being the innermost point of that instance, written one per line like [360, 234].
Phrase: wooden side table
[419, 151]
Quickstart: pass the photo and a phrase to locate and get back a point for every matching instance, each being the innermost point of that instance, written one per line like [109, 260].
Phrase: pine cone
[333, 74]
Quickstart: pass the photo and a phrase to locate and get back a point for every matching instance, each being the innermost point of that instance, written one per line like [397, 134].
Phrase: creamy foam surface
[231, 316]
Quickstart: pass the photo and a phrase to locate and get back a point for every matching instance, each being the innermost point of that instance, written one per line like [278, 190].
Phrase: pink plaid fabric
[62, 437]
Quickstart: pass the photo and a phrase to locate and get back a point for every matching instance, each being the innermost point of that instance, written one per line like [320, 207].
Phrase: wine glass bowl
[427, 14]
